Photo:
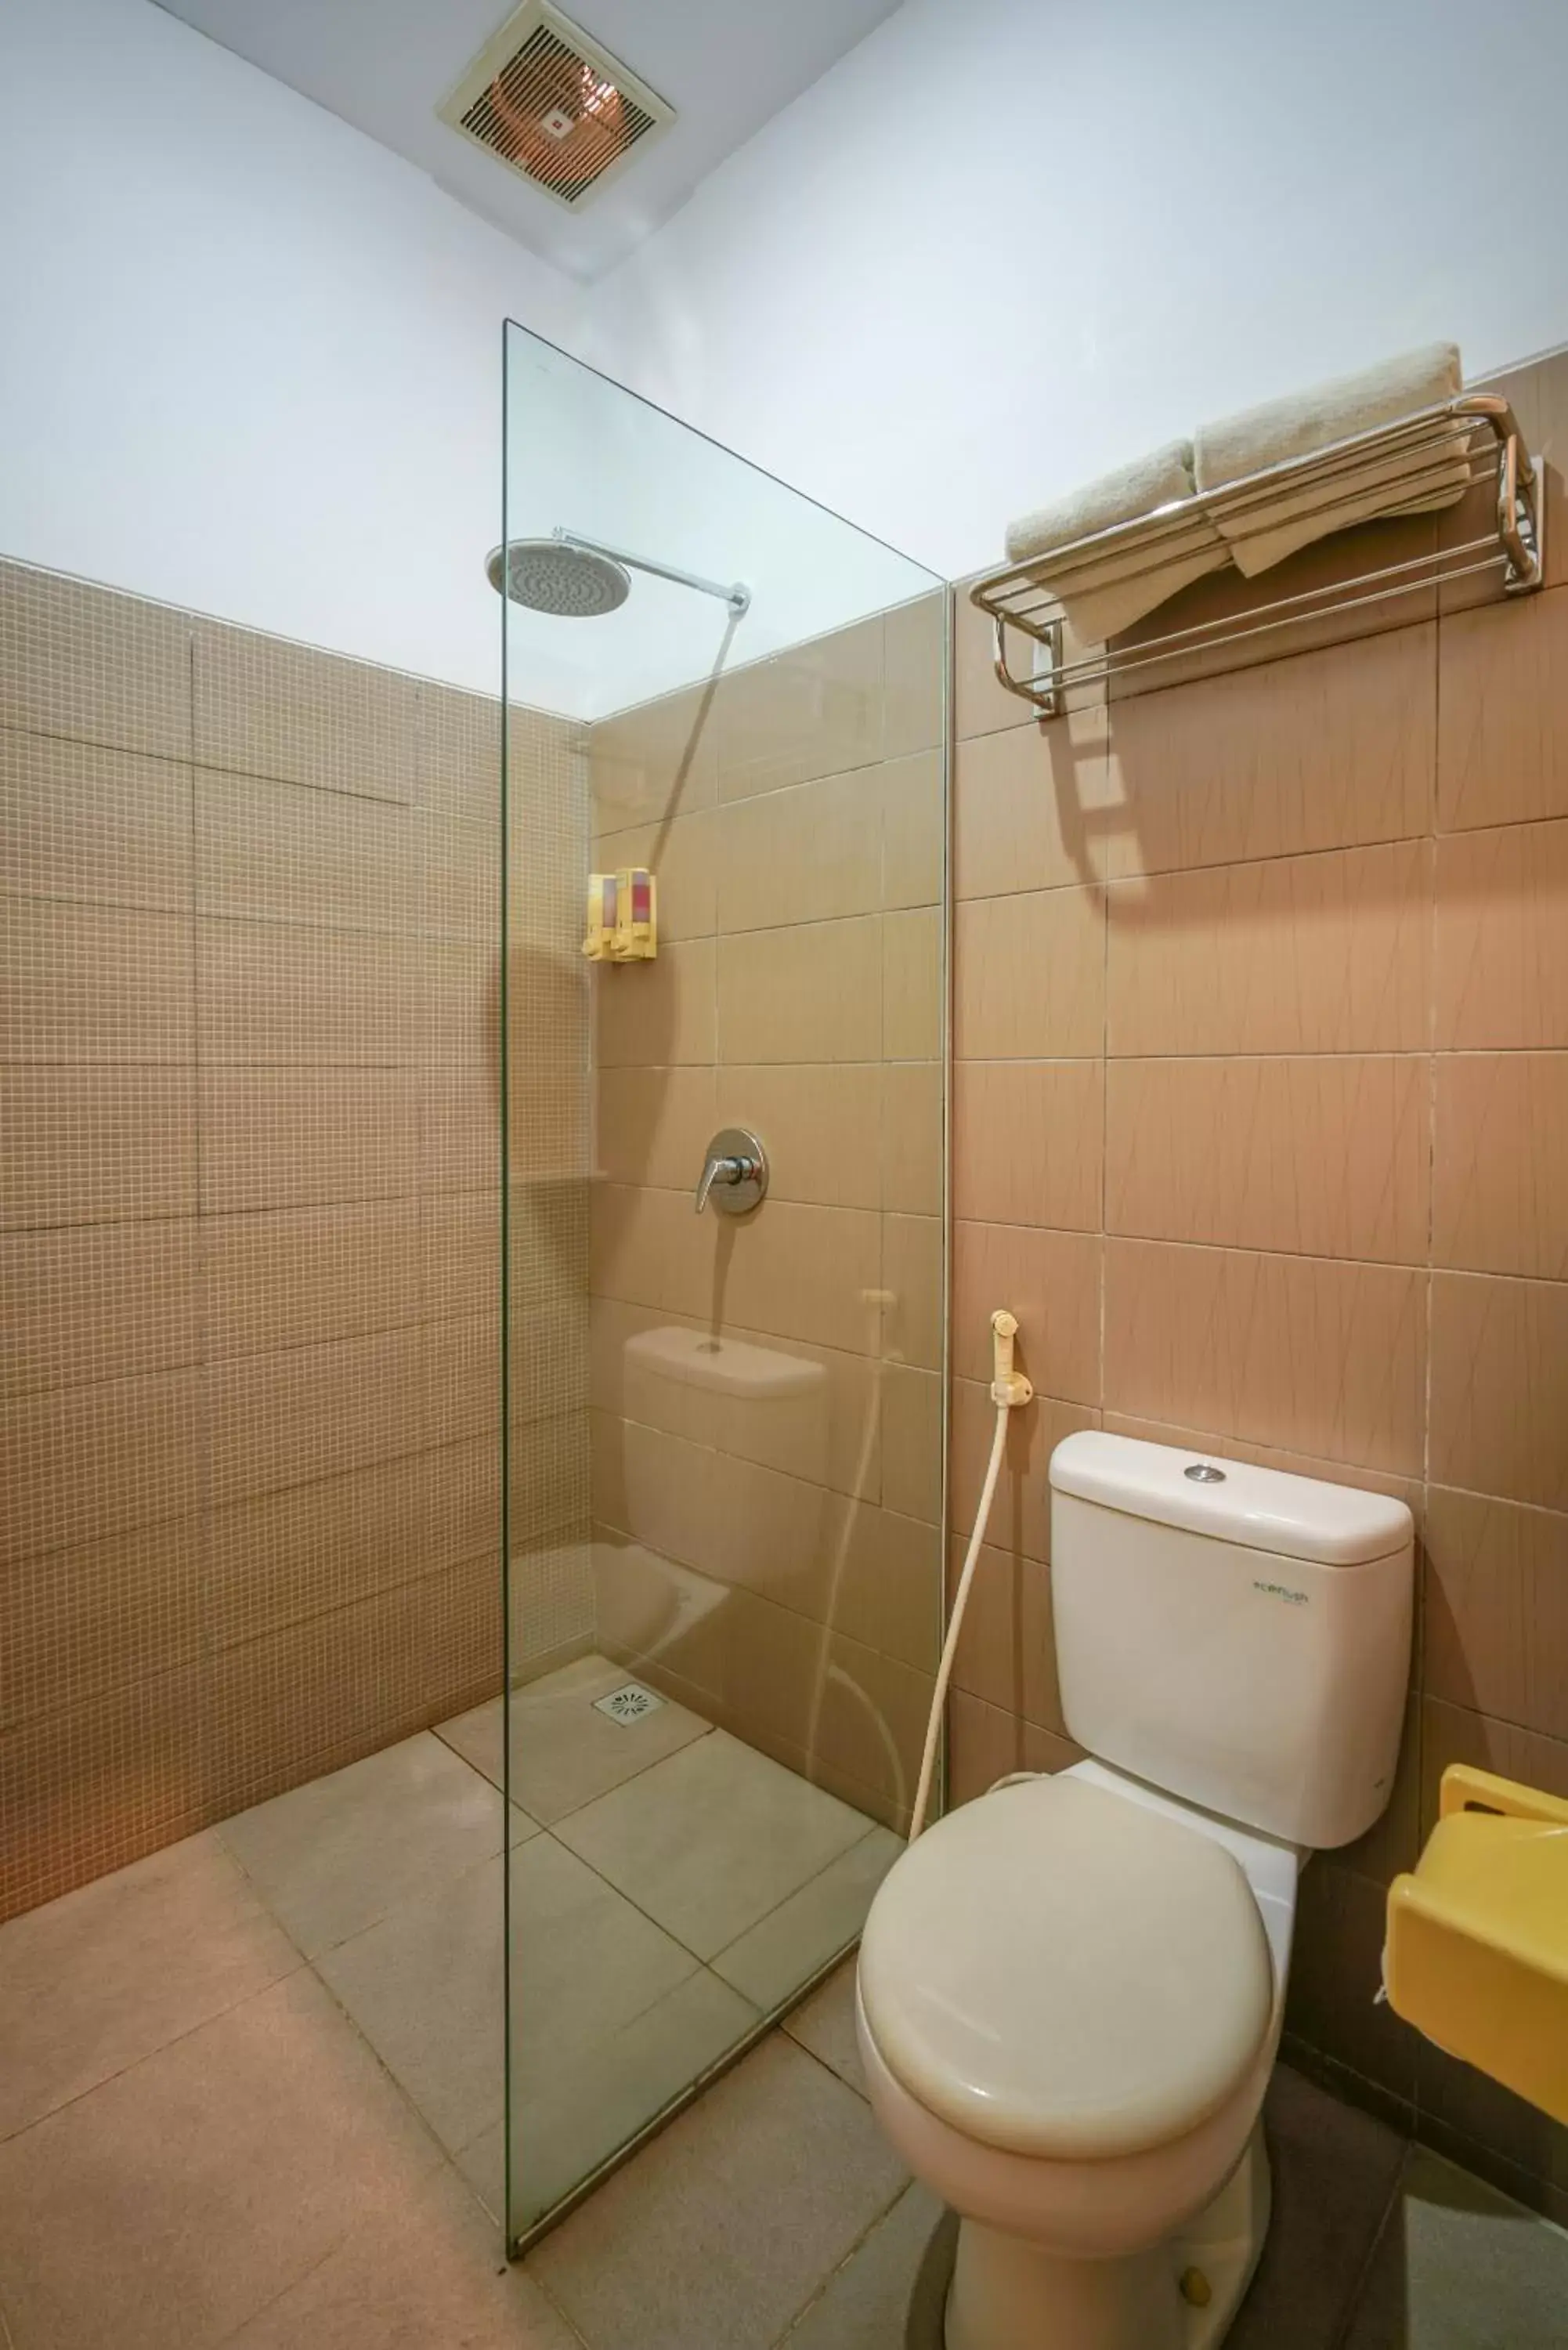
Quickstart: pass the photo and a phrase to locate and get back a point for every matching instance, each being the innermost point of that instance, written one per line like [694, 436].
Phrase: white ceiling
[726, 66]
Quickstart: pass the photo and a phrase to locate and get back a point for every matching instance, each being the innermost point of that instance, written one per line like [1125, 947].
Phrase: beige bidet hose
[1009, 1389]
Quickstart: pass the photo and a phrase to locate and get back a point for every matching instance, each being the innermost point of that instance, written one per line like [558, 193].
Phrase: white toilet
[1070, 1992]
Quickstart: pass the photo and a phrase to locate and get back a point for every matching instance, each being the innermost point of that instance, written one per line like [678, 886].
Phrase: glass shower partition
[722, 1434]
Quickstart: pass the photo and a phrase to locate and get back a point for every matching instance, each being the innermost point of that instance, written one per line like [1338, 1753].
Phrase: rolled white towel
[1262, 529]
[1102, 592]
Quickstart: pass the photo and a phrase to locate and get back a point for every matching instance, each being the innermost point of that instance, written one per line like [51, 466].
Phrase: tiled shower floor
[208, 2137]
[668, 1885]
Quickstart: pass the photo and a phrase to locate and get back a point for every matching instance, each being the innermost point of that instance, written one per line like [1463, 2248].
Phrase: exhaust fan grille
[554, 105]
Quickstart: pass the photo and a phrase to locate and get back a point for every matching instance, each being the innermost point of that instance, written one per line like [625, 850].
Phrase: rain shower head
[576, 579]
[556, 576]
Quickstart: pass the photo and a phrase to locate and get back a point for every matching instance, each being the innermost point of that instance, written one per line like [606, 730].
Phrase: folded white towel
[1103, 593]
[1123, 495]
[1261, 530]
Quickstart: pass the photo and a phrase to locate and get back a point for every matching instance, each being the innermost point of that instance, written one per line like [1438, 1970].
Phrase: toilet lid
[1058, 1970]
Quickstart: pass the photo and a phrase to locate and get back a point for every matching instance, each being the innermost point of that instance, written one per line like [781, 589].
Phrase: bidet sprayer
[1008, 1386]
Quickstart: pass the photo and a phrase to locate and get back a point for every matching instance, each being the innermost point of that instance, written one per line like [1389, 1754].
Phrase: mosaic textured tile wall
[768, 1546]
[249, 1217]
[1260, 1123]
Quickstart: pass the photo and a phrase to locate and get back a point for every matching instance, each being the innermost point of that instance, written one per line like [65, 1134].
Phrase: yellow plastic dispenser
[1477, 1955]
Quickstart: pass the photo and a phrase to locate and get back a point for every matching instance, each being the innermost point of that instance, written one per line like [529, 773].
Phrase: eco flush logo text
[1281, 1591]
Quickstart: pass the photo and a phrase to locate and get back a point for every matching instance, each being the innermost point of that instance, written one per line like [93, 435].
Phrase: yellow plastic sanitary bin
[1477, 1954]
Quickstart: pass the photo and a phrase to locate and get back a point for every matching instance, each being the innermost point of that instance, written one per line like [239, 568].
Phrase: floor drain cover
[628, 1703]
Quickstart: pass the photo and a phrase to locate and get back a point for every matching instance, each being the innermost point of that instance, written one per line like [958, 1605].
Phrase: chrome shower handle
[734, 1172]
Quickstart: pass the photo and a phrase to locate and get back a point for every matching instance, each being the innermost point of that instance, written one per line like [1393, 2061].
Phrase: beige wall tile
[145, 1742]
[1326, 1157]
[917, 1294]
[812, 853]
[653, 1126]
[1318, 1356]
[810, 993]
[1020, 1521]
[682, 853]
[300, 1276]
[803, 1271]
[459, 1250]
[1499, 1204]
[458, 747]
[1030, 976]
[90, 1145]
[94, 984]
[1051, 1281]
[821, 1128]
[1495, 1613]
[912, 1138]
[279, 852]
[103, 828]
[1006, 1653]
[85, 1303]
[912, 1443]
[1500, 1387]
[1502, 747]
[266, 707]
[1033, 806]
[1028, 1142]
[1330, 750]
[457, 1143]
[653, 1014]
[549, 1464]
[814, 710]
[914, 829]
[1300, 955]
[658, 1489]
[79, 1623]
[279, 993]
[1502, 950]
[656, 760]
[914, 665]
[311, 1412]
[82, 662]
[300, 1138]
[646, 1248]
[457, 878]
[912, 1027]
[443, 1008]
[986, 1743]
[300, 1551]
[79, 1464]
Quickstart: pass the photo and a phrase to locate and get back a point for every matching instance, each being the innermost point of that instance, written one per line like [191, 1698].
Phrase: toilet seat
[1058, 1972]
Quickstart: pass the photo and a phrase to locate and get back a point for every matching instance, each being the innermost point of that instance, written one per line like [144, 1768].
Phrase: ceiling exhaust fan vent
[554, 105]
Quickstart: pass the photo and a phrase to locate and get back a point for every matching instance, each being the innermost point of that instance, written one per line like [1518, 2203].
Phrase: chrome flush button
[1204, 1473]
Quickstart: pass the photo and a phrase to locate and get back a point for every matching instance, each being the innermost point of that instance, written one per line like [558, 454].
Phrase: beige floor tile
[565, 1752]
[787, 1946]
[172, 2204]
[1459, 2265]
[714, 1838]
[893, 2287]
[723, 2228]
[423, 2271]
[331, 1857]
[825, 2025]
[618, 2085]
[424, 1985]
[96, 1980]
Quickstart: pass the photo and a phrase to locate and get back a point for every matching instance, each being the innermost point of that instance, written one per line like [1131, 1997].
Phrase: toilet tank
[1236, 1636]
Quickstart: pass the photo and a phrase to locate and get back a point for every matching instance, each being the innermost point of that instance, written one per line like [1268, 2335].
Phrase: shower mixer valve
[734, 1175]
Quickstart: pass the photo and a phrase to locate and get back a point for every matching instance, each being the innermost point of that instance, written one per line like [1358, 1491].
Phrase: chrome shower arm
[737, 594]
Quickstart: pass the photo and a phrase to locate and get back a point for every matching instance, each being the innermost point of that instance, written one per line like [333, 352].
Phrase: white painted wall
[250, 362]
[1007, 242]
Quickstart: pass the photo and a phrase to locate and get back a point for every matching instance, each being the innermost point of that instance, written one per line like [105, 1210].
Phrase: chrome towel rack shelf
[1479, 426]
